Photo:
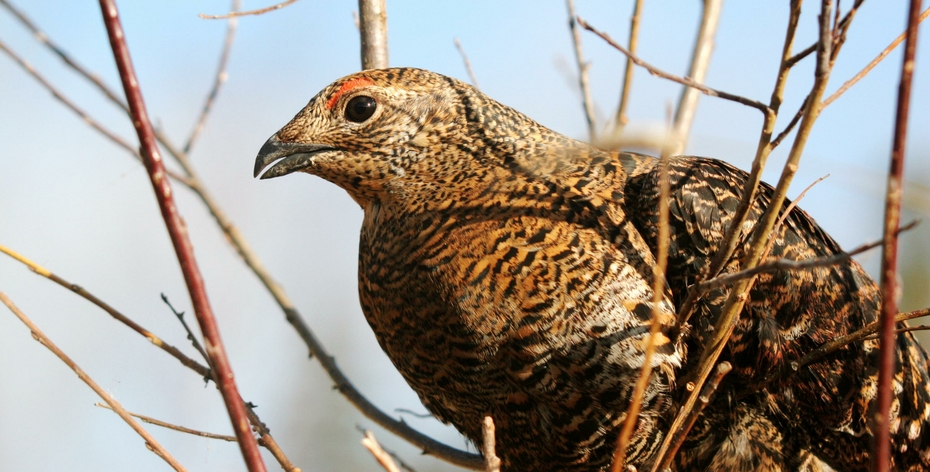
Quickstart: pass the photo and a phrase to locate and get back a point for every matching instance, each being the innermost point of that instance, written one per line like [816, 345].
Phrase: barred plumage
[506, 271]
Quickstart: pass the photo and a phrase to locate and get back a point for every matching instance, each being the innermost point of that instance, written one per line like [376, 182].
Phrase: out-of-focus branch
[373, 29]
[234, 13]
[621, 119]
[492, 463]
[881, 456]
[674, 78]
[151, 155]
[150, 441]
[471, 73]
[383, 458]
[583, 67]
[700, 60]
[220, 79]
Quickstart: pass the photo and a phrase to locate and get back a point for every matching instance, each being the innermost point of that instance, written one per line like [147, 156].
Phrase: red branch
[178, 232]
[882, 454]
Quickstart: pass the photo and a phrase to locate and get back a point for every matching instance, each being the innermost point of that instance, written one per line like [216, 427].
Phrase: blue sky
[80, 206]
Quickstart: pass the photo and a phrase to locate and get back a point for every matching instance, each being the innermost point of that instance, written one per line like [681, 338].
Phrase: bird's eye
[360, 108]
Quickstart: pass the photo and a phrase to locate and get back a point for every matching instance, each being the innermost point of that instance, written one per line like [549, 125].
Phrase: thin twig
[179, 238]
[583, 66]
[830, 347]
[190, 333]
[700, 60]
[900, 331]
[220, 79]
[383, 458]
[881, 458]
[722, 370]
[471, 73]
[180, 429]
[674, 78]
[658, 294]
[372, 17]
[621, 119]
[801, 55]
[868, 68]
[39, 336]
[791, 124]
[234, 14]
[788, 264]
[492, 463]
[737, 297]
[293, 316]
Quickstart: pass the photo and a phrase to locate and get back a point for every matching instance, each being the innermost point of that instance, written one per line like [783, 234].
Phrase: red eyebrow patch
[348, 85]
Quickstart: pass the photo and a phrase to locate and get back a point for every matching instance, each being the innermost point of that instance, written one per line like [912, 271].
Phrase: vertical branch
[374, 33]
[889, 284]
[471, 73]
[583, 66]
[492, 463]
[621, 120]
[700, 60]
[179, 238]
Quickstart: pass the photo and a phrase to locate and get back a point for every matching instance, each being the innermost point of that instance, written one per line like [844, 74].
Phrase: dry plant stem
[39, 336]
[221, 77]
[762, 231]
[234, 14]
[180, 429]
[889, 280]
[586, 101]
[179, 238]
[901, 330]
[190, 333]
[674, 78]
[383, 458]
[700, 60]
[492, 463]
[734, 233]
[787, 264]
[621, 119]
[342, 383]
[839, 343]
[868, 68]
[471, 73]
[722, 370]
[658, 292]
[373, 30]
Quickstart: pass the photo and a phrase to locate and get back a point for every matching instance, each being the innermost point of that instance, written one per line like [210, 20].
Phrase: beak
[293, 157]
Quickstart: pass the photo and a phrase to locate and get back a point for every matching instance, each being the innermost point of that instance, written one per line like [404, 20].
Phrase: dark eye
[360, 108]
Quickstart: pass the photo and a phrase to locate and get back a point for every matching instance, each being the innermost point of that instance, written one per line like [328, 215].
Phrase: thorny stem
[150, 442]
[151, 155]
[889, 280]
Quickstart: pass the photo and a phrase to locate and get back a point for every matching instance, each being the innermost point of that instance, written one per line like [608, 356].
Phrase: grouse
[506, 270]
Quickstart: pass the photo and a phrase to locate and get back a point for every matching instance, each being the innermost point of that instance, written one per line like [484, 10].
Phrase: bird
[507, 271]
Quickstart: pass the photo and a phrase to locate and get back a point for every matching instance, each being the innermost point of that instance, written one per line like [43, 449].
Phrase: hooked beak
[293, 157]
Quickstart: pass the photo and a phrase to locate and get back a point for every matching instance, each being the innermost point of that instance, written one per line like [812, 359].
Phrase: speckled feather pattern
[506, 270]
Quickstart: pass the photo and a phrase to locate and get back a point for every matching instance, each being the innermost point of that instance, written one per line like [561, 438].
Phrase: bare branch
[839, 343]
[674, 78]
[583, 66]
[881, 458]
[471, 73]
[374, 33]
[492, 463]
[621, 119]
[221, 77]
[151, 155]
[234, 13]
[190, 334]
[868, 68]
[150, 441]
[722, 370]
[700, 60]
[383, 458]
[180, 429]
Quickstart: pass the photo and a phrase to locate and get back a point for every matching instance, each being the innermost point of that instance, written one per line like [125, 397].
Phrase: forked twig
[674, 78]
[234, 14]
[150, 441]
[151, 155]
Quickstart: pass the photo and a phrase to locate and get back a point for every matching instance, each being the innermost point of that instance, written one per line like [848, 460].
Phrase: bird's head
[375, 133]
